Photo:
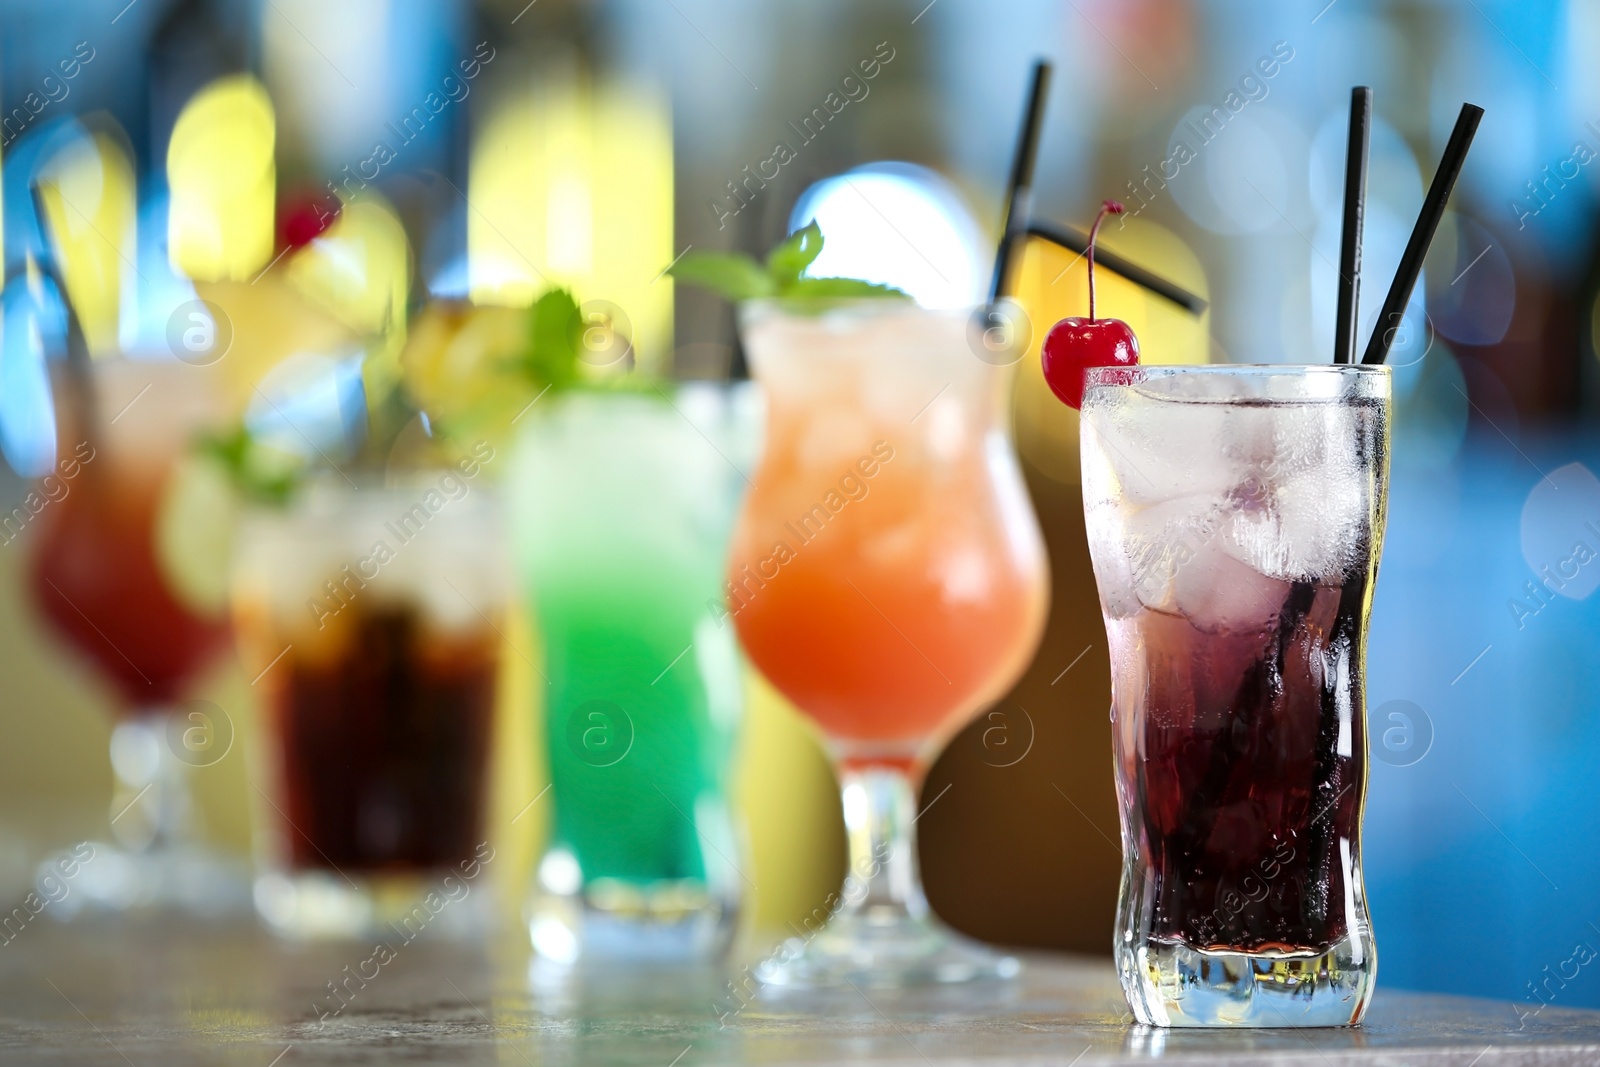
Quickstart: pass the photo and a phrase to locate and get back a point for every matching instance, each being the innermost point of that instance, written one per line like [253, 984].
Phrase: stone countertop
[155, 994]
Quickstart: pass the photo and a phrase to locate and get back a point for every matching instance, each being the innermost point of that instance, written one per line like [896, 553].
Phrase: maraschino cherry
[307, 216]
[1074, 345]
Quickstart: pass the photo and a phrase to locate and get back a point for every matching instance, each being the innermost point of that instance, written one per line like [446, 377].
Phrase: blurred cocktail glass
[374, 616]
[623, 502]
[103, 576]
[888, 576]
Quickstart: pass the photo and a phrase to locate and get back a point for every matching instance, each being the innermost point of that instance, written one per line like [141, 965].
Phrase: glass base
[883, 948]
[97, 877]
[312, 905]
[1171, 984]
[612, 921]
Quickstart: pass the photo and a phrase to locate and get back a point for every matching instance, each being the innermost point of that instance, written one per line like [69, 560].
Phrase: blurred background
[499, 143]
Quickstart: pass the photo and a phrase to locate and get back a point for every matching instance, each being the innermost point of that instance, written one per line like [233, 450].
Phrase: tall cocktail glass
[374, 618]
[888, 576]
[1235, 519]
[622, 505]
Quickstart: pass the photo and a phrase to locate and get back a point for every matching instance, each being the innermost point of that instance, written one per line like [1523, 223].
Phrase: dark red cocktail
[1235, 519]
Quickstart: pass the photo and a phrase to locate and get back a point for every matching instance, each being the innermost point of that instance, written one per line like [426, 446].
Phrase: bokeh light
[27, 417]
[896, 224]
[223, 180]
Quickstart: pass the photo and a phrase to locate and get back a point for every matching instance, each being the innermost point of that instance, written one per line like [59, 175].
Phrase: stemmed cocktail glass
[888, 576]
[101, 580]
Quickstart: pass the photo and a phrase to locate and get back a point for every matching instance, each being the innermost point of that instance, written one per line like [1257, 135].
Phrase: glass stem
[883, 884]
[150, 804]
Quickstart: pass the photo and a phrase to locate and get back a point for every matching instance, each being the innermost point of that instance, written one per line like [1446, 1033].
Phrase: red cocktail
[100, 577]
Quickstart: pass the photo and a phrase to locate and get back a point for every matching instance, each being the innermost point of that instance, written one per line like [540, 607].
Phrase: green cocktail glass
[622, 506]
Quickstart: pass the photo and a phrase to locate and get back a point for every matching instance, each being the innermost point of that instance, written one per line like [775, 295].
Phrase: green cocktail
[622, 506]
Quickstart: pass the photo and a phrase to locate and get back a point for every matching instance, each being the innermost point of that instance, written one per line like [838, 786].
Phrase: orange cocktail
[887, 576]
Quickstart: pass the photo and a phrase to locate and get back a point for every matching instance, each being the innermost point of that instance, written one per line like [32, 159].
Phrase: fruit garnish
[1073, 345]
[739, 277]
[306, 217]
[194, 532]
[465, 365]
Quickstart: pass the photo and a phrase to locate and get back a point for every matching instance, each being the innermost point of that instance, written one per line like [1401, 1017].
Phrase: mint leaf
[739, 277]
[551, 358]
[790, 259]
[733, 276]
[838, 289]
[258, 475]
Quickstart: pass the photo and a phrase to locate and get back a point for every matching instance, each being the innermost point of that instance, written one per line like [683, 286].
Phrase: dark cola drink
[376, 619]
[385, 746]
[1235, 519]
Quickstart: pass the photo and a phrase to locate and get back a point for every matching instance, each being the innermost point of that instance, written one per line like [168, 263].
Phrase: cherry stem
[1108, 207]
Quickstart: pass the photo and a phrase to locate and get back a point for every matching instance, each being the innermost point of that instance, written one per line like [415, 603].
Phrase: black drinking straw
[1020, 184]
[1104, 258]
[1355, 206]
[1405, 278]
[80, 385]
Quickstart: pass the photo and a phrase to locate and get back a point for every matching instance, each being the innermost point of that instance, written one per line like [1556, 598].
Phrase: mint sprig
[739, 277]
[552, 355]
[261, 475]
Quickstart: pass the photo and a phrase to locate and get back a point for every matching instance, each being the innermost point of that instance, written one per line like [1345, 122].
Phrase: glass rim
[1246, 382]
[863, 306]
[1116, 375]
[330, 500]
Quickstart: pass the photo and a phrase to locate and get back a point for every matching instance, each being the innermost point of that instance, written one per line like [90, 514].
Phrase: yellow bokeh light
[223, 181]
[571, 186]
[86, 191]
[359, 272]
